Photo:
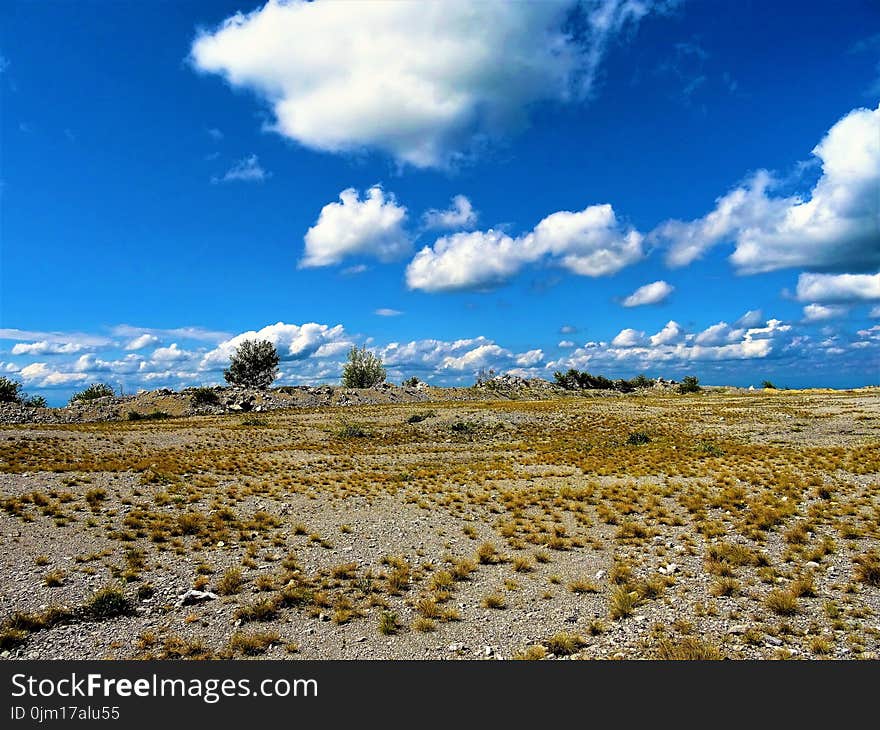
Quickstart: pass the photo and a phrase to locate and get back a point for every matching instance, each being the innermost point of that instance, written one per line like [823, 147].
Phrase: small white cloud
[628, 338]
[172, 353]
[58, 338]
[460, 214]
[567, 329]
[214, 134]
[875, 312]
[374, 226]
[671, 333]
[652, 293]
[47, 348]
[248, 169]
[184, 333]
[565, 344]
[717, 334]
[823, 312]
[530, 358]
[142, 341]
[383, 312]
[752, 318]
[41, 375]
[838, 287]
[354, 270]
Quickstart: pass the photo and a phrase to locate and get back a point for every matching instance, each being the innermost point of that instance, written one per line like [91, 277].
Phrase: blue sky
[174, 177]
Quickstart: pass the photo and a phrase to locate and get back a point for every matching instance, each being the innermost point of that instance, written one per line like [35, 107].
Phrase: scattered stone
[194, 596]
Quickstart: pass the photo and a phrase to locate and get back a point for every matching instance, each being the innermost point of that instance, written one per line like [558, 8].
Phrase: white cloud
[483, 356]
[384, 312]
[565, 344]
[652, 293]
[590, 242]
[530, 358]
[671, 333]
[248, 169]
[631, 350]
[461, 261]
[717, 334]
[294, 342]
[184, 333]
[823, 312]
[460, 214]
[142, 341]
[214, 134]
[63, 338]
[567, 329]
[752, 318]
[172, 353]
[875, 312]
[421, 81]
[41, 375]
[465, 355]
[835, 228]
[838, 287]
[373, 227]
[628, 338]
[44, 347]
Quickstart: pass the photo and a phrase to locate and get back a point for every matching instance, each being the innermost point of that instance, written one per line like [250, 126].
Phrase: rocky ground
[227, 399]
[508, 521]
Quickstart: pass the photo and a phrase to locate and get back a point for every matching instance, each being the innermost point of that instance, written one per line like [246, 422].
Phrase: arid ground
[720, 524]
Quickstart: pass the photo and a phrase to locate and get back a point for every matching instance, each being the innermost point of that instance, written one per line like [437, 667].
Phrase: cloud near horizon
[313, 353]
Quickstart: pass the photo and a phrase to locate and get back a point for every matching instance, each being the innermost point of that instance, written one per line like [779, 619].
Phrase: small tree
[767, 385]
[34, 401]
[689, 384]
[94, 391]
[254, 364]
[10, 390]
[363, 369]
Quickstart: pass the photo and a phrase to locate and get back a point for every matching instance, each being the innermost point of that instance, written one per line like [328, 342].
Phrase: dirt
[347, 518]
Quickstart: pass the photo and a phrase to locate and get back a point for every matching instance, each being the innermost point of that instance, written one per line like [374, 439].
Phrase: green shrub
[34, 401]
[203, 397]
[10, 390]
[93, 392]
[108, 602]
[152, 416]
[363, 369]
[254, 364]
[640, 381]
[351, 430]
[767, 385]
[689, 384]
[637, 438]
[411, 382]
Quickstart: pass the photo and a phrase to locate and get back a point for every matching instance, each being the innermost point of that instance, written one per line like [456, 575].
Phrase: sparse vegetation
[203, 397]
[93, 392]
[724, 535]
[254, 364]
[363, 369]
